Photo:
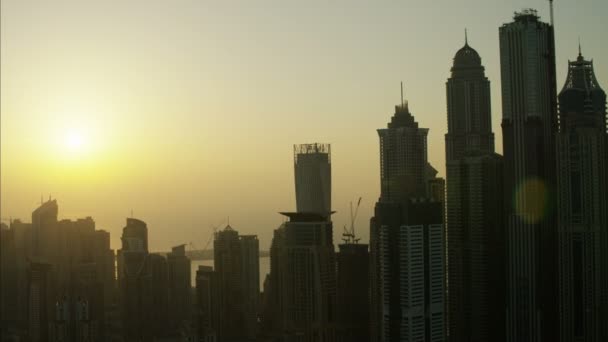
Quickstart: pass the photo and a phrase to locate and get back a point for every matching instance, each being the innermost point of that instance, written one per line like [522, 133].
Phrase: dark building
[179, 280]
[312, 166]
[39, 298]
[529, 125]
[474, 208]
[304, 275]
[9, 288]
[142, 279]
[352, 262]
[208, 294]
[406, 239]
[582, 174]
[235, 259]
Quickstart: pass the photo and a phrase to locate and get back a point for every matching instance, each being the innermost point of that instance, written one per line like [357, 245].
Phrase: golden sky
[186, 111]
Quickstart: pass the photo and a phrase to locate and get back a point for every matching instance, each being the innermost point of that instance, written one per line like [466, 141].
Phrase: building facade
[529, 124]
[474, 208]
[352, 261]
[582, 159]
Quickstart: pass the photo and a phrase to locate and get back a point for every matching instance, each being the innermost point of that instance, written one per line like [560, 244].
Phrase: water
[264, 269]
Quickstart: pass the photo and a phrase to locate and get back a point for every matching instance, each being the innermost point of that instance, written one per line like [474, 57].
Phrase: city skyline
[107, 187]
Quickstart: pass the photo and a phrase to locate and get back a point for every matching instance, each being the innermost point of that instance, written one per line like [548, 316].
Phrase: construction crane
[349, 234]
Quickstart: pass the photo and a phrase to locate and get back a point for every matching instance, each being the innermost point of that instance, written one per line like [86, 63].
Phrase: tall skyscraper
[142, 280]
[312, 165]
[236, 259]
[208, 294]
[300, 302]
[582, 173]
[529, 124]
[304, 269]
[250, 261]
[179, 280]
[406, 239]
[474, 232]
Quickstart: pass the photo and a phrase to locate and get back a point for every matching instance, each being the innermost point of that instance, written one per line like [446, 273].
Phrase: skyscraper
[305, 274]
[142, 280]
[582, 173]
[474, 232]
[352, 263]
[529, 124]
[312, 165]
[208, 293]
[406, 239]
[178, 268]
[236, 259]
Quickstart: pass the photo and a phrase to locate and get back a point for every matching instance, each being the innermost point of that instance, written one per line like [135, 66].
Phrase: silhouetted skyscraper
[529, 124]
[304, 267]
[236, 259]
[178, 267]
[142, 279]
[582, 173]
[475, 233]
[312, 164]
[208, 294]
[406, 239]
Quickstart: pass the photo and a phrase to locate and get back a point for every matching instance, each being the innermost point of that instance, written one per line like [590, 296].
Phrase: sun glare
[75, 142]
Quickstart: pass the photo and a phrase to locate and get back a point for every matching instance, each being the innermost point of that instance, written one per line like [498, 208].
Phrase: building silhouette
[179, 280]
[207, 304]
[300, 291]
[529, 124]
[236, 263]
[582, 173]
[352, 261]
[312, 166]
[474, 208]
[406, 239]
[142, 279]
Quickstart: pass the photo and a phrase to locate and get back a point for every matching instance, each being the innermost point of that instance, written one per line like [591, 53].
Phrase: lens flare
[531, 200]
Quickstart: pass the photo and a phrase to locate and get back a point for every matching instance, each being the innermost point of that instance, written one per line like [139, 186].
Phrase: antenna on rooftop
[466, 38]
[402, 103]
[551, 9]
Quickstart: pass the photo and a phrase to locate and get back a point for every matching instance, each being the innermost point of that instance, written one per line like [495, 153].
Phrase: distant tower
[236, 263]
[475, 232]
[582, 159]
[312, 164]
[529, 125]
[406, 239]
[179, 269]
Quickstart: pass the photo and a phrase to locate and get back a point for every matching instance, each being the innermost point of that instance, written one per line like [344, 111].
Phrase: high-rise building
[250, 261]
[474, 208]
[142, 280]
[208, 293]
[312, 165]
[406, 239]
[39, 297]
[582, 173]
[529, 124]
[352, 263]
[179, 282]
[236, 259]
[304, 271]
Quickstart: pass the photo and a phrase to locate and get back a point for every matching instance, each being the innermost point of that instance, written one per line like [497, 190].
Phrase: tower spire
[402, 94]
[466, 37]
[579, 47]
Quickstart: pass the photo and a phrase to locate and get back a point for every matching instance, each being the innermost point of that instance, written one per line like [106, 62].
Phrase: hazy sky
[186, 111]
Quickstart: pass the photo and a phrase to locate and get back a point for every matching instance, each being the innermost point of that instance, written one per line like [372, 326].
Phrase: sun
[75, 142]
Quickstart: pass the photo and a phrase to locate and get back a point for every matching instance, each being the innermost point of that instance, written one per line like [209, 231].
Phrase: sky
[184, 113]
